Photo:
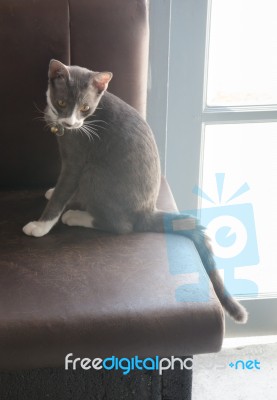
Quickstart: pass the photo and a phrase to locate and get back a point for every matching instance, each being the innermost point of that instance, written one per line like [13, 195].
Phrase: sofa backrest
[96, 34]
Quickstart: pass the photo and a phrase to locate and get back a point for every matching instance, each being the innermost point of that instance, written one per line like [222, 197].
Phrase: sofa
[79, 291]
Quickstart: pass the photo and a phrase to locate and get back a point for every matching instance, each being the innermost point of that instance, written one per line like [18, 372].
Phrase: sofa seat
[96, 294]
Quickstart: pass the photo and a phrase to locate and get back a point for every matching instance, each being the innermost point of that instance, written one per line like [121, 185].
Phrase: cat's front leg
[39, 228]
[48, 219]
[64, 190]
[49, 193]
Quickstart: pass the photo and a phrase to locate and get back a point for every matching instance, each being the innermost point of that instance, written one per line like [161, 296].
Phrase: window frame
[178, 113]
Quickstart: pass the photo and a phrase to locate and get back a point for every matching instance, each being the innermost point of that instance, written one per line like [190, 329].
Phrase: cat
[110, 175]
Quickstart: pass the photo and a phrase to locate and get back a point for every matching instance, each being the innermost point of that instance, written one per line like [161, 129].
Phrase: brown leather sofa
[76, 290]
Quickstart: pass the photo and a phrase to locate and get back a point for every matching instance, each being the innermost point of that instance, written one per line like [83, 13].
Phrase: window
[218, 131]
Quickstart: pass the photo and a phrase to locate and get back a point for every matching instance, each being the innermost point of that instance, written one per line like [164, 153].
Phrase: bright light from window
[246, 153]
[242, 71]
[242, 67]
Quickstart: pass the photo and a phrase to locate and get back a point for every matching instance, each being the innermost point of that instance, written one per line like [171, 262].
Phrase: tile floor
[214, 379]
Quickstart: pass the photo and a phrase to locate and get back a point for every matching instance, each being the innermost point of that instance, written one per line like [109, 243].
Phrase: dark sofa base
[58, 384]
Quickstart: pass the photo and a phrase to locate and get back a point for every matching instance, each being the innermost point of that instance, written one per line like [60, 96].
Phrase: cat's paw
[77, 218]
[37, 228]
[49, 193]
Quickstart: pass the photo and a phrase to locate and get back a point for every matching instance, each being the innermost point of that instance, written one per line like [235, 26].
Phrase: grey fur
[116, 176]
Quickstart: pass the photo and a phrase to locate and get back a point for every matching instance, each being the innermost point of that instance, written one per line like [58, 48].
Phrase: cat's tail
[185, 225]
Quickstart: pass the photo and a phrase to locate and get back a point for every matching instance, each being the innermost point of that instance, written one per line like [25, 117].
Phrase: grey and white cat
[110, 175]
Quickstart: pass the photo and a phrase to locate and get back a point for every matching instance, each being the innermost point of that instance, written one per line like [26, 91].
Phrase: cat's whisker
[90, 131]
[83, 130]
[39, 110]
[90, 136]
[95, 134]
[97, 120]
[95, 126]
[49, 124]
[39, 118]
[94, 121]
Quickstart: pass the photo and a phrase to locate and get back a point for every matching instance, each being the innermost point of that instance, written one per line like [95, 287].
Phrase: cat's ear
[57, 70]
[101, 80]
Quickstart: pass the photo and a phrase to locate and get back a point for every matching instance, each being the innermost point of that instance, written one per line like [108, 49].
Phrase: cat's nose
[70, 123]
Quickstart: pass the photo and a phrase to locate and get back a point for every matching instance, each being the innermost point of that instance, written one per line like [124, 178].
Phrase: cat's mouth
[66, 125]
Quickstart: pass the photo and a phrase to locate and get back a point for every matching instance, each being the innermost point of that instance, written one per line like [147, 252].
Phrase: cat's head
[74, 93]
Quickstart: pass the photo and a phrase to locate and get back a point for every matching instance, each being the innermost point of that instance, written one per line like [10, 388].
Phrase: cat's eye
[85, 108]
[61, 103]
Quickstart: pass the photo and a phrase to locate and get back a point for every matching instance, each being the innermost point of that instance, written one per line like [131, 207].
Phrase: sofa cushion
[95, 294]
